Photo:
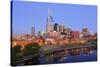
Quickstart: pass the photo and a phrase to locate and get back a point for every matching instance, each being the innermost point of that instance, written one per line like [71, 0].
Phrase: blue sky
[28, 14]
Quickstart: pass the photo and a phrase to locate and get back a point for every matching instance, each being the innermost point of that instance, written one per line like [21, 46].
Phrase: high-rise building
[56, 27]
[61, 28]
[33, 31]
[49, 22]
[39, 33]
[85, 32]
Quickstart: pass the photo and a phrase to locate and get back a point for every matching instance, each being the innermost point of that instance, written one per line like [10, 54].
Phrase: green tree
[16, 53]
[31, 49]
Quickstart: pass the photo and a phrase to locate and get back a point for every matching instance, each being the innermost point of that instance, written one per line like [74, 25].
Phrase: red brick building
[75, 34]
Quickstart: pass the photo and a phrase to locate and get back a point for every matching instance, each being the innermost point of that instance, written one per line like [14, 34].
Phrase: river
[65, 58]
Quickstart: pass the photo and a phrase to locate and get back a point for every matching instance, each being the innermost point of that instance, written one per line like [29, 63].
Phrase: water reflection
[64, 56]
[69, 56]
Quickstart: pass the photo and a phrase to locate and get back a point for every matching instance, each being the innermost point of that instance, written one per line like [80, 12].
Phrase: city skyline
[52, 33]
[76, 17]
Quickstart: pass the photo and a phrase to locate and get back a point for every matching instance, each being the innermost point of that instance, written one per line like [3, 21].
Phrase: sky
[34, 14]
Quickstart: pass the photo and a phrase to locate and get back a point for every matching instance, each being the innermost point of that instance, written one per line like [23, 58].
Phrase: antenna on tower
[49, 12]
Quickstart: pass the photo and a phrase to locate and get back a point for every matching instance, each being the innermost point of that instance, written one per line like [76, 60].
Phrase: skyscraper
[61, 28]
[49, 22]
[33, 31]
[39, 33]
[56, 26]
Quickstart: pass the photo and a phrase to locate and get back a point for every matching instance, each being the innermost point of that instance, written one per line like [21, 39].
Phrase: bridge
[26, 58]
[72, 47]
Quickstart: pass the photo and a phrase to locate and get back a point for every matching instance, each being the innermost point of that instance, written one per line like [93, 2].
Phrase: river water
[64, 58]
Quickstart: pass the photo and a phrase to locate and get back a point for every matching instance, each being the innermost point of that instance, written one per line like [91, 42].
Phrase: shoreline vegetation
[19, 53]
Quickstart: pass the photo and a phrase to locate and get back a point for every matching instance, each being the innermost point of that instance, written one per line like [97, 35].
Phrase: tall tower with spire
[49, 22]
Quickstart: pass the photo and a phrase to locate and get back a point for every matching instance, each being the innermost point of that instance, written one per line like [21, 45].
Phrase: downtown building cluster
[55, 34]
